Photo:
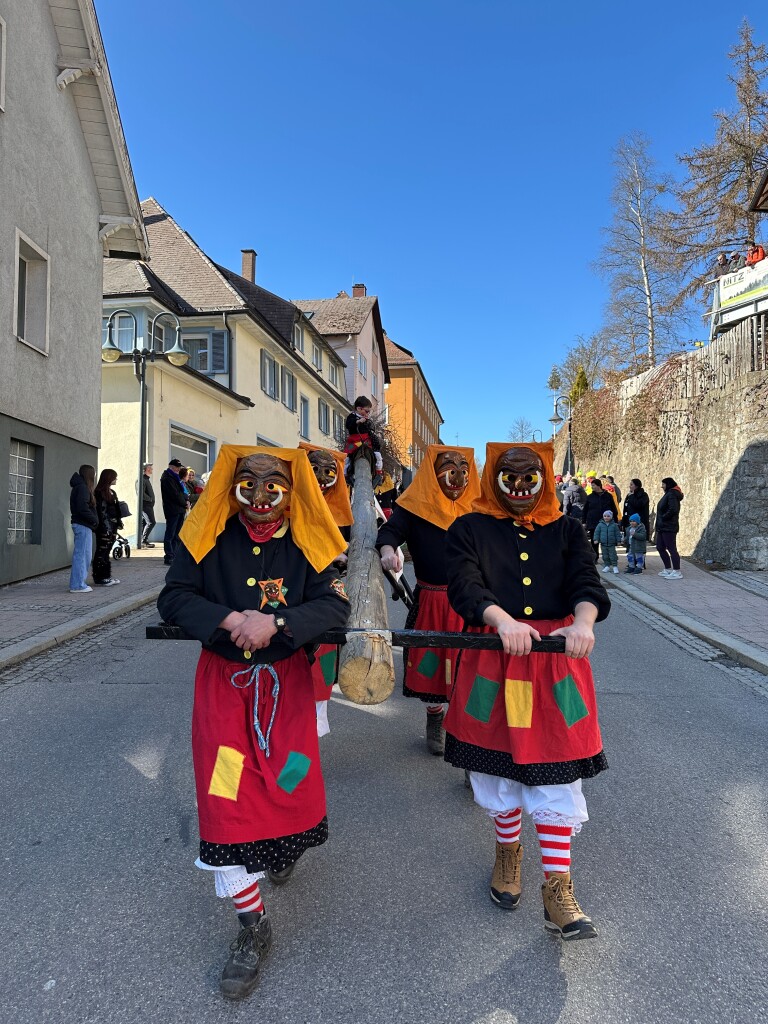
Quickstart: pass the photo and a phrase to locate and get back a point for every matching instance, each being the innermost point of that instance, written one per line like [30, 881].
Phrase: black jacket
[108, 512]
[574, 497]
[426, 544]
[597, 502]
[636, 503]
[173, 494]
[83, 513]
[147, 492]
[668, 511]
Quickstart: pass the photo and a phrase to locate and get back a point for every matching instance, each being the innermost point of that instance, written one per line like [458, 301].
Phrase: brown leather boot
[561, 911]
[505, 880]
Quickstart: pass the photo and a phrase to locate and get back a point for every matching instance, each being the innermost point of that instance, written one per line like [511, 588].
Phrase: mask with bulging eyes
[325, 468]
[452, 471]
[518, 480]
[262, 487]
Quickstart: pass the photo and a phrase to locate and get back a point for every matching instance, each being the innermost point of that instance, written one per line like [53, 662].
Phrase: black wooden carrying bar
[399, 638]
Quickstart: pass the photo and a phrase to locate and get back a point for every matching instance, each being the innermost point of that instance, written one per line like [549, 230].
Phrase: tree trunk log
[366, 669]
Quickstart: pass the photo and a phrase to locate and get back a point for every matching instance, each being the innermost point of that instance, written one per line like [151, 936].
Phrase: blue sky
[454, 157]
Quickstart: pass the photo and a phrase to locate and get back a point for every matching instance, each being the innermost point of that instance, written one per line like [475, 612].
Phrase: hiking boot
[281, 877]
[436, 734]
[561, 911]
[505, 880]
[241, 971]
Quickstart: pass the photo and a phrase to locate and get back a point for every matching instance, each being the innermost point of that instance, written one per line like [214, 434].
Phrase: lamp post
[534, 435]
[557, 419]
[177, 356]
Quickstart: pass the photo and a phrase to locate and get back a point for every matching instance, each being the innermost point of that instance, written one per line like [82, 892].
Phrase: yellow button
[527, 581]
[247, 654]
[524, 556]
[528, 610]
[257, 550]
[251, 582]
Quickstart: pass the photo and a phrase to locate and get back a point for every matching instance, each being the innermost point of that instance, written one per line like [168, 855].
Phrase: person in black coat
[175, 505]
[108, 511]
[147, 506]
[82, 507]
[597, 502]
[636, 502]
[667, 528]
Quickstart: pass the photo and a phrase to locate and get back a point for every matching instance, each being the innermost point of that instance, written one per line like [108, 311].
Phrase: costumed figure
[250, 580]
[525, 725]
[443, 489]
[328, 467]
[360, 433]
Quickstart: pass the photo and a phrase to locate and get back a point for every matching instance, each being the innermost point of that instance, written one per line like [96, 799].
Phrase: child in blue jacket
[637, 538]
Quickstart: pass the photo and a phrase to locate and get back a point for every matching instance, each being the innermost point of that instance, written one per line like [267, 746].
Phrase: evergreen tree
[554, 381]
[579, 387]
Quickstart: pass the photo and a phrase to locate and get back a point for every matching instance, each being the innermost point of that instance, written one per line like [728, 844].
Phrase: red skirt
[539, 709]
[325, 669]
[247, 790]
[429, 670]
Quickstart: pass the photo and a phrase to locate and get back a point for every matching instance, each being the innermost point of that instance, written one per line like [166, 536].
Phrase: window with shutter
[219, 352]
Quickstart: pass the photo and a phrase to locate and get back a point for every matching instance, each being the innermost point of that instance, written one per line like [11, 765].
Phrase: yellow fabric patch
[448, 672]
[518, 697]
[227, 773]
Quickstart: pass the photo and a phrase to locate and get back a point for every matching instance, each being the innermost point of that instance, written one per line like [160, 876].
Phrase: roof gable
[340, 315]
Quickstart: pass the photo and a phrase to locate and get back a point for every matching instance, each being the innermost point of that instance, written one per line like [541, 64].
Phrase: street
[106, 919]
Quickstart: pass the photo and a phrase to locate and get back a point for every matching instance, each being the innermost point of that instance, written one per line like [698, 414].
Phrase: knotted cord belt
[253, 674]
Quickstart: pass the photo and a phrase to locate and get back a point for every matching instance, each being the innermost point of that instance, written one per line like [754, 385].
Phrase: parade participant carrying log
[525, 725]
[443, 489]
[251, 581]
[328, 467]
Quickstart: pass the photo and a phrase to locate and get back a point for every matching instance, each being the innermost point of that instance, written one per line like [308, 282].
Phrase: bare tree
[642, 318]
[522, 430]
[595, 355]
[722, 175]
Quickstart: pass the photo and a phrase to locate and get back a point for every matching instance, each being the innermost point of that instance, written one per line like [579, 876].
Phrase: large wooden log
[366, 670]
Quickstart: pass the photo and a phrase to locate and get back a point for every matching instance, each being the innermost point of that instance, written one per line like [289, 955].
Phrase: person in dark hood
[636, 502]
[574, 497]
[82, 506]
[667, 528]
[597, 502]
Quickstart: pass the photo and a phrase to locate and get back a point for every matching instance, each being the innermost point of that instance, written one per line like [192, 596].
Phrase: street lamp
[557, 419]
[534, 435]
[177, 356]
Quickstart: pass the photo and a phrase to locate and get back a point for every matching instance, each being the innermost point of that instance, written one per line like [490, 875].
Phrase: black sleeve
[350, 424]
[323, 607]
[182, 603]
[395, 530]
[582, 582]
[467, 592]
[81, 506]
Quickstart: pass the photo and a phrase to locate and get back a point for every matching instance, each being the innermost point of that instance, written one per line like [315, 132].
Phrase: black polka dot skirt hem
[265, 854]
[427, 698]
[496, 762]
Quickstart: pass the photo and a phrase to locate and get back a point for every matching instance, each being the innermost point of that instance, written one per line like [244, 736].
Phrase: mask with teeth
[518, 481]
[325, 469]
[262, 487]
[452, 472]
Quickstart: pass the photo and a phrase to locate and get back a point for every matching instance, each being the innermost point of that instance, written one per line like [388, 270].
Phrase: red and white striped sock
[248, 901]
[555, 842]
[434, 709]
[508, 825]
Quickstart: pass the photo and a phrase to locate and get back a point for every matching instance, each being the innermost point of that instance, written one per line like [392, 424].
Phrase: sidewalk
[727, 609]
[39, 613]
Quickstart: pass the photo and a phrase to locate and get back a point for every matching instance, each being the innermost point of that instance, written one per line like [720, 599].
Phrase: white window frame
[208, 354]
[298, 337]
[289, 389]
[273, 372]
[333, 373]
[338, 426]
[3, 32]
[362, 365]
[304, 404]
[317, 357]
[22, 241]
[375, 384]
[323, 416]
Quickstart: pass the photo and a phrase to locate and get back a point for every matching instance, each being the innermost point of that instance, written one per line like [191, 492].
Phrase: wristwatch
[280, 622]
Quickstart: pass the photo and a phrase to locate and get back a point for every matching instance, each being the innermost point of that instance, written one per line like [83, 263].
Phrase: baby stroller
[121, 548]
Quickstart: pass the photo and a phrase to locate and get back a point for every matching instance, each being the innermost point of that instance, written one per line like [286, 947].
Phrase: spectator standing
[194, 487]
[597, 502]
[736, 262]
[574, 498]
[616, 488]
[559, 490]
[637, 501]
[108, 511]
[174, 500]
[721, 265]
[637, 537]
[610, 489]
[147, 506]
[82, 507]
[755, 254]
[607, 535]
[668, 527]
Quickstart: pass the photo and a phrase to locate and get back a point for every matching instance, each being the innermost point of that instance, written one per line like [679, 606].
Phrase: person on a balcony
[721, 265]
[736, 262]
[755, 253]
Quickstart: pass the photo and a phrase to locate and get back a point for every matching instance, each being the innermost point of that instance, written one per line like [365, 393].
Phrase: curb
[740, 650]
[67, 630]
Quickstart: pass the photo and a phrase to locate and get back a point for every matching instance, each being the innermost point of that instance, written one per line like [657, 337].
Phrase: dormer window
[298, 337]
[317, 357]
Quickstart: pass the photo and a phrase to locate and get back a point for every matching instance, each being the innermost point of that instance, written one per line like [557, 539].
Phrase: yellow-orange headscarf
[424, 498]
[312, 525]
[548, 508]
[337, 498]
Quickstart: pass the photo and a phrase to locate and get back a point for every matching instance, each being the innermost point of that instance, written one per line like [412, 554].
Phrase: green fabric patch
[294, 771]
[570, 701]
[328, 667]
[429, 664]
[482, 698]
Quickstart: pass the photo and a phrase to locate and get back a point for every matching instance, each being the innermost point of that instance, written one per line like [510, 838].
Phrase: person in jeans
[108, 511]
[668, 527]
[147, 506]
[82, 506]
[637, 537]
[174, 507]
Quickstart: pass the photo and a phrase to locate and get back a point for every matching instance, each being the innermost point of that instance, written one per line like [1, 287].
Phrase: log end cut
[367, 674]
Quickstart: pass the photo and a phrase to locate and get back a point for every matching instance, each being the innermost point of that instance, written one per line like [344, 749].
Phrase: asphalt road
[105, 918]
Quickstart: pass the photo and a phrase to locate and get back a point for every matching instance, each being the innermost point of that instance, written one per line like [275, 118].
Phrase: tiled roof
[397, 355]
[280, 313]
[132, 277]
[340, 315]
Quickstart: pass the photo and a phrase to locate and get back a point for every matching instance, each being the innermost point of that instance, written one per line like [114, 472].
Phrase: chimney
[359, 291]
[249, 264]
